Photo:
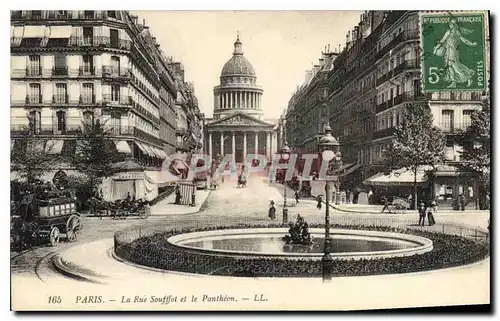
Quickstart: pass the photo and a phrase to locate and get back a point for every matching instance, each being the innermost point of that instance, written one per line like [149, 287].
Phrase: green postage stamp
[453, 51]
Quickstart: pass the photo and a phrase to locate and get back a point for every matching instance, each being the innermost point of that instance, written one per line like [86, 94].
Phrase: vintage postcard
[249, 160]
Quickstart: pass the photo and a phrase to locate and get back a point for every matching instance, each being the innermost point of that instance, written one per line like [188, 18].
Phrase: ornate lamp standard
[330, 151]
[285, 157]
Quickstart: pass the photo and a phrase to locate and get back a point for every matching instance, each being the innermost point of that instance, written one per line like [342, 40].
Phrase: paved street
[225, 206]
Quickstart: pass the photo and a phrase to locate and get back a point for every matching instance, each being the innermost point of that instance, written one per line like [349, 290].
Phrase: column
[268, 145]
[245, 99]
[256, 143]
[221, 144]
[210, 145]
[253, 100]
[244, 147]
[234, 148]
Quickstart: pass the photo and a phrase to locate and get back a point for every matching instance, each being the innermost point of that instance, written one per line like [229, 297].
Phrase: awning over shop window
[398, 177]
[36, 146]
[142, 148]
[123, 147]
[149, 150]
[161, 178]
[54, 147]
[60, 31]
[34, 32]
[161, 153]
[17, 32]
[349, 169]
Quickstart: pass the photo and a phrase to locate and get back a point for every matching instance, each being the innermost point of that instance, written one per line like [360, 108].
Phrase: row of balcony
[104, 71]
[446, 127]
[413, 34]
[74, 41]
[407, 64]
[126, 131]
[403, 97]
[59, 15]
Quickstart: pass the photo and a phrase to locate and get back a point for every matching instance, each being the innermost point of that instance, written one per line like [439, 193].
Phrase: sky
[281, 46]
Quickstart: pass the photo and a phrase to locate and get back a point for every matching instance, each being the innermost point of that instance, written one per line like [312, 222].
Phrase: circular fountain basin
[268, 242]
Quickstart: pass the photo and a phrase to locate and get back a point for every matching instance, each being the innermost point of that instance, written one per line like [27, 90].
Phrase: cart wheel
[54, 236]
[73, 226]
[143, 214]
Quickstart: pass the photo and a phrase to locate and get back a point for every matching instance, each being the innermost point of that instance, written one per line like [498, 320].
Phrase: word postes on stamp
[453, 51]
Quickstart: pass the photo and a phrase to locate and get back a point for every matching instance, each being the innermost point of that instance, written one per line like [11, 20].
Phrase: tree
[30, 158]
[476, 155]
[96, 156]
[417, 142]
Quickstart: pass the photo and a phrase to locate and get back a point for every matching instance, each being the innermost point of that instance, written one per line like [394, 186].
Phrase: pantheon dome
[238, 91]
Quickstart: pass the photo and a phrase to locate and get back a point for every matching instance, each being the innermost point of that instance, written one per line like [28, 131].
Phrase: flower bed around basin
[154, 251]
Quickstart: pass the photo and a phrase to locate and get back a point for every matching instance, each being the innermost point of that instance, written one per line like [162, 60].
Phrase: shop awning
[398, 177]
[60, 31]
[34, 32]
[149, 150]
[17, 32]
[123, 147]
[54, 147]
[142, 148]
[157, 152]
[162, 154]
[37, 146]
[349, 169]
[161, 178]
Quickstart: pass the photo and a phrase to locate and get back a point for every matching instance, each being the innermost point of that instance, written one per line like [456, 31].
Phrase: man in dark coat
[421, 214]
[319, 199]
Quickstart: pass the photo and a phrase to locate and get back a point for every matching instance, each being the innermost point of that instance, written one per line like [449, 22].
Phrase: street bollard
[285, 215]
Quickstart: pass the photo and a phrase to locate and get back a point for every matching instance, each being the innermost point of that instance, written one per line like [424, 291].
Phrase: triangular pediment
[240, 119]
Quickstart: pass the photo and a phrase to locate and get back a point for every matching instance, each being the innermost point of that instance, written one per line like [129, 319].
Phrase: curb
[61, 267]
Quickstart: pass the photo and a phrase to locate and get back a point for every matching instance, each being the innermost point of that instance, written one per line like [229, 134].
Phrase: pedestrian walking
[297, 196]
[319, 199]
[272, 211]
[430, 217]
[461, 201]
[370, 197]
[385, 201]
[421, 214]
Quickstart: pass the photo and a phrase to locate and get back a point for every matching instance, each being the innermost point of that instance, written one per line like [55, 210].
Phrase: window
[61, 94]
[88, 93]
[35, 68]
[115, 65]
[113, 33]
[60, 65]
[88, 64]
[447, 120]
[35, 96]
[466, 118]
[36, 14]
[88, 120]
[88, 14]
[112, 14]
[34, 122]
[88, 35]
[397, 90]
[115, 93]
[417, 90]
[115, 122]
[60, 122]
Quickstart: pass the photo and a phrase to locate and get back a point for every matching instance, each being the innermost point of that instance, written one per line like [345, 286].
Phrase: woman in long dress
[455, 72]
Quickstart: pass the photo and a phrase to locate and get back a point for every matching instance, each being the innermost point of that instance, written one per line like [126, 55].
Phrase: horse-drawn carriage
[119, 209]
[37, 220]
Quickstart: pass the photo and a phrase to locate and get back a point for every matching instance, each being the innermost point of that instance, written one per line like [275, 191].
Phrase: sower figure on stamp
[454, 72]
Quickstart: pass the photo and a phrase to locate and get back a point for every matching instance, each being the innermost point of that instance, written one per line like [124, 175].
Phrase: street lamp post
[285, 156]
[330, 151]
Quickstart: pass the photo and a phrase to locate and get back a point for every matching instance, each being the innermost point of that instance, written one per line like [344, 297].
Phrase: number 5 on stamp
[453, 51]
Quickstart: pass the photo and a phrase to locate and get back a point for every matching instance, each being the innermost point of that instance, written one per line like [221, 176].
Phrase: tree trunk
[415, 187]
